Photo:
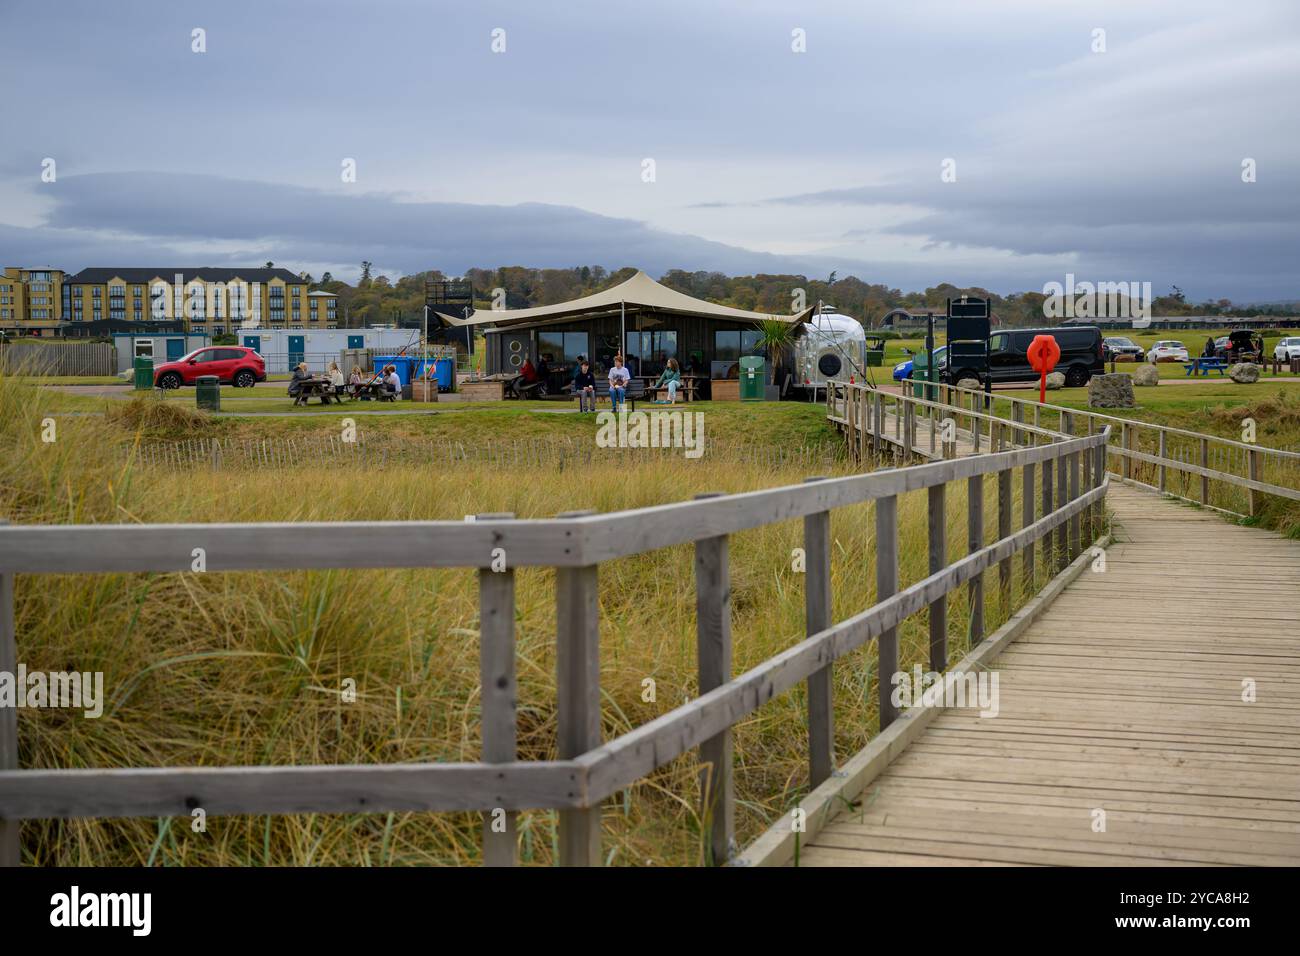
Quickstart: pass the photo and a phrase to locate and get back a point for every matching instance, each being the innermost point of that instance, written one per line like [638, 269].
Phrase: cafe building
[648, 323]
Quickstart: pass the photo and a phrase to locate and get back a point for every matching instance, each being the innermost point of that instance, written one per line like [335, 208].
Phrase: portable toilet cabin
[282, 349]
[158, 347]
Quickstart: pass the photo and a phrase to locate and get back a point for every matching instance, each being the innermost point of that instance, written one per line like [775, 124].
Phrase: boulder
[1111, 391]
[1146, 375]
[1244, 372]
[1055, 380]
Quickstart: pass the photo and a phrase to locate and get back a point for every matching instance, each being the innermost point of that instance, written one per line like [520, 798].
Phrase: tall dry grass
[246, 668]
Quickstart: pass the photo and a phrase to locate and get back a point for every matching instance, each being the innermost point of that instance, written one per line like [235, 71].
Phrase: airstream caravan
[831, 348]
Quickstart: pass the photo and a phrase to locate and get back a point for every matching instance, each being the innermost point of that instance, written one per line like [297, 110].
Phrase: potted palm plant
[775, 338]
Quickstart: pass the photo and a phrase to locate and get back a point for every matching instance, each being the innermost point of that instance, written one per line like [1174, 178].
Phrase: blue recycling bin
[403, 363]
[445, 370]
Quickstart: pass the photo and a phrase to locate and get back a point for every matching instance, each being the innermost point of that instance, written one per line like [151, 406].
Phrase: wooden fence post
[1026, 519]
[1048, 508]
[817, 617]
[1161, 476]
[1074, 536]
[1004, 531]
[1205, 463]
[974, 542]
[1062, 529]
[713, 650]
[886, 586]
[938, 532]
[1252, 466]
[1126, 434]
[10, 850]
[498, 695]
[577, 658]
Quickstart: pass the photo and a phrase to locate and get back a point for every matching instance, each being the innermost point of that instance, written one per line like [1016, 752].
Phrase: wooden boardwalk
[1124, 697]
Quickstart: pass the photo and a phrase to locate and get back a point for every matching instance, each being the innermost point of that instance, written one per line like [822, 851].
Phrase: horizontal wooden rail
[575, 542]
[351, 788]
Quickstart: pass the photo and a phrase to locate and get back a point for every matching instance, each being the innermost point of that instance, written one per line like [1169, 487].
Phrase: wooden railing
[587, 770]
[1227, 475]
[1231, 476]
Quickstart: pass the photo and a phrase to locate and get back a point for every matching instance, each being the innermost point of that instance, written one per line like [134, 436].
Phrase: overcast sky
[1116, 165]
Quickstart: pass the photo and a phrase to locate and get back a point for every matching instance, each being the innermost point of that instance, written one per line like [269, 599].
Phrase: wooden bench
[635, 390]
[686, 388]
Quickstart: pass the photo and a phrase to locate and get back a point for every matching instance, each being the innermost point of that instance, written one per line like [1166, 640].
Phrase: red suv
[231, 364]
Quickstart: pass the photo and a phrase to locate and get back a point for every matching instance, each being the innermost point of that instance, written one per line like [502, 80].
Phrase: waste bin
[404, 364]
[876, 357]
[752, 378]
[445, 370]
[207, 395]
[920, 373]
[143, 373]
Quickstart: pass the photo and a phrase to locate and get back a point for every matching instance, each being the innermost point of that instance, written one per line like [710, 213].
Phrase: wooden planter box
[424, 391]
[482, 391]
[725, 389]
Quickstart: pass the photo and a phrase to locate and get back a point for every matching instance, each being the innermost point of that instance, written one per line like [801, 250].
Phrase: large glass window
[731, 344]
[646, 353]
[562, 351]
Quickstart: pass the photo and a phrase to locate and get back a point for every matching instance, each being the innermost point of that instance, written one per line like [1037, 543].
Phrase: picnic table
[320, 388]
[1202, 366]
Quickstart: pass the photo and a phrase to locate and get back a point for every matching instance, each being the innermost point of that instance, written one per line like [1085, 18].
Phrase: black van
[1082, 356]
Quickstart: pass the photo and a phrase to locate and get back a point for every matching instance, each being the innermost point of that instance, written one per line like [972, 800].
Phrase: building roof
[638, 292]
[320, 294]
[99, 275]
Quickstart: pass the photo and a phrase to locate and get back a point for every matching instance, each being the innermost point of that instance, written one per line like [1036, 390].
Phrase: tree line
[378, 300]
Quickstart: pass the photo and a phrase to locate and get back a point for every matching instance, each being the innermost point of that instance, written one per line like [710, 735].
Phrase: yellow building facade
[31, 300]
[209, 301]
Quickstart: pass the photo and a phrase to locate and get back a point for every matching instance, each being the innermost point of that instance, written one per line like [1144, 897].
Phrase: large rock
[1055, 380]
[1244, 372]
[1146, 375]
[1111, 391]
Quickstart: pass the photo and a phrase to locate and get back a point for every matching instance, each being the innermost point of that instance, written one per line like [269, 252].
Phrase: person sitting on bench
[336, 378]
[300, 374]
[584, 386]
[392, 382]
[670, 379]
[618, 379]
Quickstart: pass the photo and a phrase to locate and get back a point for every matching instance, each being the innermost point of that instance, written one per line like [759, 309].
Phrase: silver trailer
[831, 348]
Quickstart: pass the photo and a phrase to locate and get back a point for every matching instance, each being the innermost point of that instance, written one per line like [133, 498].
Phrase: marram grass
[246, 668]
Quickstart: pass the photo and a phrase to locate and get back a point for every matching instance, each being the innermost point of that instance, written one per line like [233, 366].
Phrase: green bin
[875, 357]
[143, 373]
[208, 393]
[920, 373]
[752, 378]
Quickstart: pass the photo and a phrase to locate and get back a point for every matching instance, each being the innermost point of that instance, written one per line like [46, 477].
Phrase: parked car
[1287, 349]
[903, 370]
[1082, 357]
[1239, 345]
[232, 365]
[1123, 348]
[1168, 350]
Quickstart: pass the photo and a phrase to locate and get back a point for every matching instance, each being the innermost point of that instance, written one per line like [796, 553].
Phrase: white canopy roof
[638, 292]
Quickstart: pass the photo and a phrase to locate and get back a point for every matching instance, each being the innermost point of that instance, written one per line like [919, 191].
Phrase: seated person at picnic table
[671, 379]
[300, 375]
[1209, 349]
[336, 377]
[355, 377]
[392, 381]
[618, 379]
[584, 386]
